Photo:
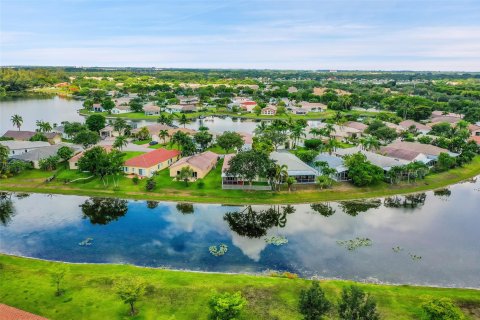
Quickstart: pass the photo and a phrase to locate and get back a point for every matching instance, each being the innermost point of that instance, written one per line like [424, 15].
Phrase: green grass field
[89, 293]
[169, 189]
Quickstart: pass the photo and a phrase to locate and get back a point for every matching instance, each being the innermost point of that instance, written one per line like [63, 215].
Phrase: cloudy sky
[275, 34]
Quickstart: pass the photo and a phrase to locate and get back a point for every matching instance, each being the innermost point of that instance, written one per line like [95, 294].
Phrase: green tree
[324, 181]
[151, 184]
[58, 275]
[44, 126]
[17, 121]
[226, 306]
[143, 134]
[108, 105]
[203, 138]
[120, 125]
[183, 120]
[49, 164]
[313, 303]
[86, 138]
[257, 110]
[120, 142]
[163, 134]
[355, 304]
[290, 181]
[4, 151]
[361, 171]
[441, 309]
[445, 162]
[130, 291]
[249, 165]
[95, 122]
[230, 140]
[88, 104]
[38, 137]
[184, 175]
[65, 153]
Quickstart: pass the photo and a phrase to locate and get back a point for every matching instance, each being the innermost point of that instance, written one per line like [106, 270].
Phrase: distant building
[356, 125]
[151, 110]
[19, 147]
[269, 110]
[97, 107]
[182, 108]
[120, 109]
[52, 137]
[420, 127]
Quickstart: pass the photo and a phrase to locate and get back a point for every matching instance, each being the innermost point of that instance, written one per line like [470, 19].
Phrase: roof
[16, 145]
[247, 137]
[408, 123]
[226, 165]
[332, 161]
[476, 139]
[377, 159]
[356, 125]
[184, 130]
[45, 152]
[154, 129]
[122, 107]
[11, 313]
[248, 103]
[399, 153]
[439, 113]
[312, 105]
[201, 161]
[295, 165]
[151, 108]
[108, 128]
[152, 158]
[446, 119]
[183, 107]
[426, 149]
[26, 135]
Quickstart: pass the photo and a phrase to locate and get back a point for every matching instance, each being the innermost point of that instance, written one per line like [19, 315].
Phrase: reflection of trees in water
[325, 209]
[22, 195]
[152, 204]
[445, 192]
[104, 210]
[408, 201]
[7, 209]
[185, 208]
[355, 207]
[255, 224]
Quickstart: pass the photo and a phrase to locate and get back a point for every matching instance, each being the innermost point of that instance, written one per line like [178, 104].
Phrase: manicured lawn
[90, 294]
[169, 189]
[141, 142]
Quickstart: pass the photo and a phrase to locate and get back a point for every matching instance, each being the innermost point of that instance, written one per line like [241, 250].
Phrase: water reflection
[104, 210]
[443, 233]
[7, 209]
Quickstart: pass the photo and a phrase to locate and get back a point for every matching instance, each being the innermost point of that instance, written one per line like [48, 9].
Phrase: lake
[53, 110]
[429, 238]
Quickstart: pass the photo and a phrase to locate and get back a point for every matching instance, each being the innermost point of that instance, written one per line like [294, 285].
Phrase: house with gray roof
[18, 147]
[333, 162]
[302, 172]
[386, 163]
[34, 156]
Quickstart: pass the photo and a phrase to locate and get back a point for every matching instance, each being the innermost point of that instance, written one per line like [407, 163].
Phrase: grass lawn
[141, 142]
[169, 189]
[90, 294]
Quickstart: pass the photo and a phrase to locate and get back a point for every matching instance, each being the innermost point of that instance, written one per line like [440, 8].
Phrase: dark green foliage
[313, 303]
[49, 164]
[86, 138]
[95, 122]
[38, 137]
[226, 306]
[151, 184]
[306, 155]
[313, 144]
[441, 309]
[361, 171]
[249, 165]
[355, 304]
[229, 141]
[103, 210]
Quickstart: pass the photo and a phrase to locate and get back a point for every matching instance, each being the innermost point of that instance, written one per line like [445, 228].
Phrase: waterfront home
[61, 131]
[19, 147]
[97, 107]
[121, 109]
[341, 172]
[299, 111]
[151, 110]
[418, 126]
[356, 125]
[52, 137]
[404, 154]
[145, 165]
[182, 108]
[247, 140]
[153, 130]
[36, 155]
[269, 110]
[73, 161]
[312, 106]
[247, 106]
[302, 172]
[200, 163]
[430, 151]
[229, 181]
[188, 100]
[108, 132]
[386, 163]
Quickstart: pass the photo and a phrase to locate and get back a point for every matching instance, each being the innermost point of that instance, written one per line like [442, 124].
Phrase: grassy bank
[89, 293]
[171, 190]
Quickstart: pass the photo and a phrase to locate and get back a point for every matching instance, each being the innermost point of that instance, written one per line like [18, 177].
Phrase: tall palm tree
[163, 134]
[119, 125]
[281, 174]
[120, 142]
[316, 132]
[261, 128]
[332, 145]
[183, 120]
[296, 133]
[370, 143]
[17, 121]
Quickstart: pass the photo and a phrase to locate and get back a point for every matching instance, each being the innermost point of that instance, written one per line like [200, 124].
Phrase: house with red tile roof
[11, 313]
[145, 165]
[248, 105]
[269, 110]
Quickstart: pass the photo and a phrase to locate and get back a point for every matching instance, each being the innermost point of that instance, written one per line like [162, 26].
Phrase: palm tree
[296, 133]
[281, 174]
[44, 126]
[329, 128]
[261, 128]
[332, 145]
[370, 143]
[316, 132]
[17, 121]
[184, 175]
[120, 142]
[183, 120]
[290, 181]
[119, 125]
[163, 134]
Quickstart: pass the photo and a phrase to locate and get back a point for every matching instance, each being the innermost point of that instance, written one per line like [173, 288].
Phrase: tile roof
[11, 313]
[226, 165]
[15, 144]
[201, 161]
[152, 158]
[151, 108]
[408, 123]
[377, 159]
[427, 149]
[356, 125]
[294, 164]
[26, 135]
[76, 157]
[399, 153]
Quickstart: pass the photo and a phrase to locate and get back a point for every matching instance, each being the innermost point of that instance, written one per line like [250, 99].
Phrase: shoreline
[251, 274]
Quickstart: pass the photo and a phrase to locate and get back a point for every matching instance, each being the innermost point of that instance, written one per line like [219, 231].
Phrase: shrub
[200, 184]
[226, 306]
[313, 304]
[441, 309]
[356, 305]
[135, 180]
[313, 144]
[151, 184]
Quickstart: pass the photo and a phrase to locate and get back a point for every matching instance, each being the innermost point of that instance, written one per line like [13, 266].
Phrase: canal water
[431, 238]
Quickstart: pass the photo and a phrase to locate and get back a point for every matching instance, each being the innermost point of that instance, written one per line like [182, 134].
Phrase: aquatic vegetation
[220, 251]
[87, 242]
[276, 240]
[397, 249]
[414, 257]
[354, 244]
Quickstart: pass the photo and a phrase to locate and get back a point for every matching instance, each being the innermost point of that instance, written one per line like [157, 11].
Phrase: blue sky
[281, 34]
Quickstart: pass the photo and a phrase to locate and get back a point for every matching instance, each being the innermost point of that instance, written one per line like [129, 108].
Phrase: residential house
[18, 147]
[394, 126]
[438, 113]
[121, 109]
[269, 110]
[341, 172]
[73, 161]
[356, 125]
[34, 156]
[151, 110]
[406, 124]
[312, 106]
[451, 120]
[61, 131]
[432, 152]
[247, 106]
[200, 163]
[145, 165]
[231, 182]
[405, 154]
[302, 172]
[182, 108]
[386, 163]
[97, 107]
[108, 132]
[188, 100]
[247, 139]
[299, 111]
[52, 137]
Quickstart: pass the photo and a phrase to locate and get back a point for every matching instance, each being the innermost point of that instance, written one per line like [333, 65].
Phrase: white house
[19, 147]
